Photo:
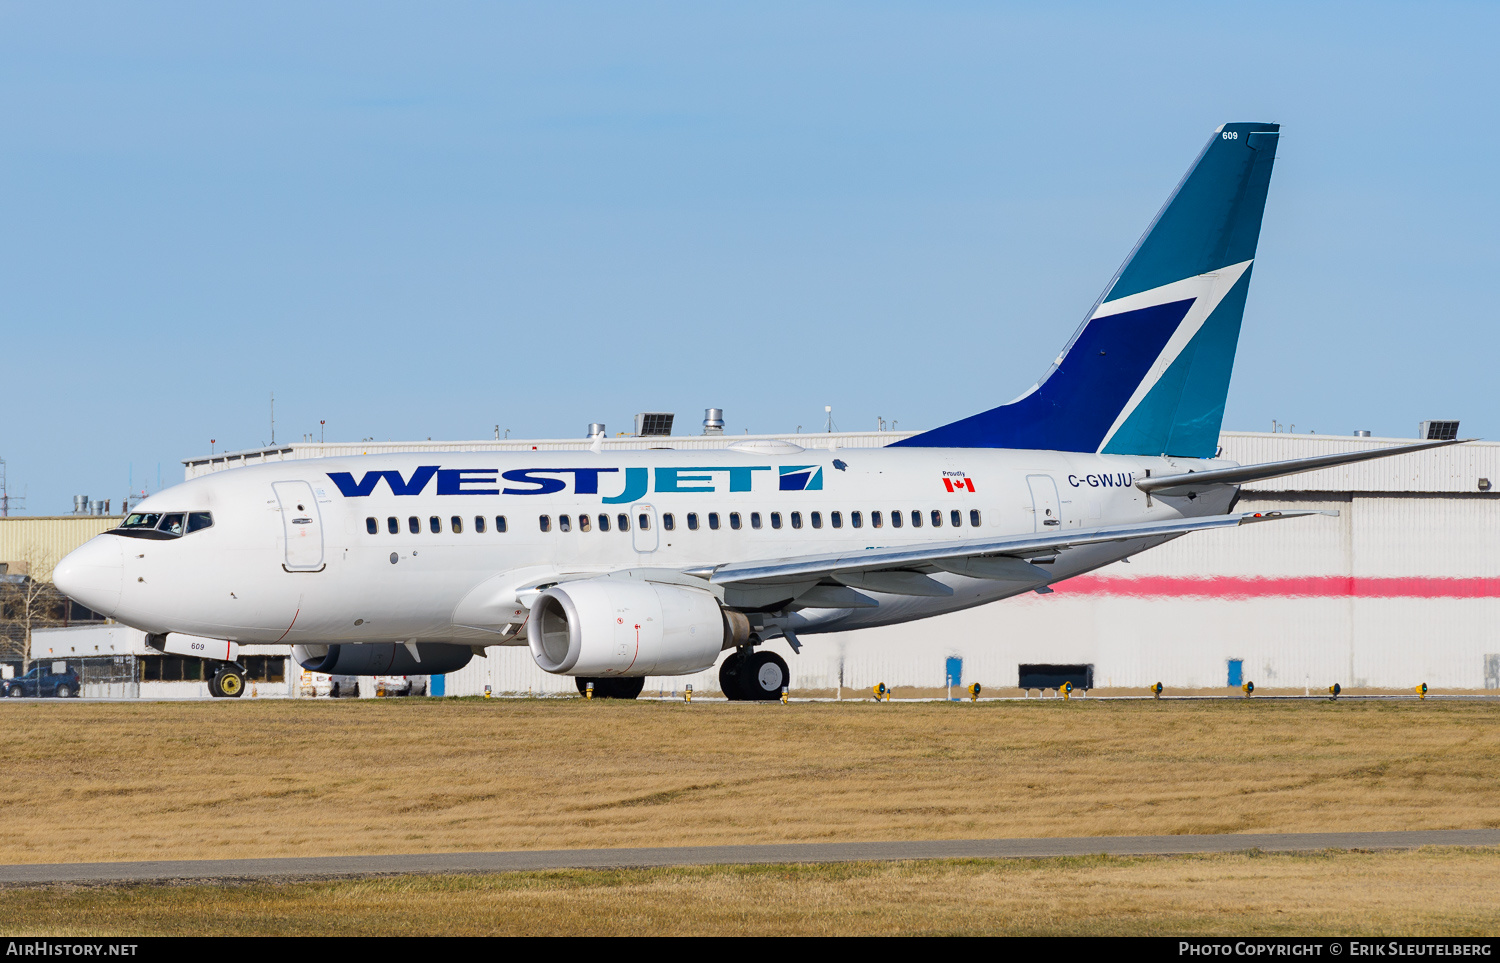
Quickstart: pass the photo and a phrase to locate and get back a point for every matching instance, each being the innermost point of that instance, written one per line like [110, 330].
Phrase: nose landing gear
[228, 682]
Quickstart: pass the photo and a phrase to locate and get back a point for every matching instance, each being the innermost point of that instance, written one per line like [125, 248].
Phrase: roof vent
[713, 421]
[595, 429]
[654, 423]
[1361, 434]
[1438, 430]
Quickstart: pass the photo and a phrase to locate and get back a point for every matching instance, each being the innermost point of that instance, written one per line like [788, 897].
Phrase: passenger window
[817, 519]
[171, 524]
[876, 521]
[667, 522]
[856, 520]
[584, 524]
[479, 524]
[393, 525]
[895, 519]
[713, 520]
[436, 524]
[500, 523]
[974, 517]
[565, 523]
[775, 519]
[643, 522]
[937, 518]
[414, 525]
[796, 519]
[692, 521]
[546, 523]
[734, 520]
[916, 518]
[456, 523]
[622, 522]
[956, 518]
[755, 519]
[372, 526]
[837, 519]
[603, 523]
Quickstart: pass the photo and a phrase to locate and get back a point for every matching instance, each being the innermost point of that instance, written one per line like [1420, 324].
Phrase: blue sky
[429, 219]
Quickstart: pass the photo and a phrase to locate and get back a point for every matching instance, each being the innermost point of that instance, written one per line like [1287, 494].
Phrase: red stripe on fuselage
[1304, 586]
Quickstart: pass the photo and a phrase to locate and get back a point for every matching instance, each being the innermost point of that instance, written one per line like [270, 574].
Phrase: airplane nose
[93, 573]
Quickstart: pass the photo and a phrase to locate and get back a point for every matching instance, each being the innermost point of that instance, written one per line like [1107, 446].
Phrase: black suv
[42, 681]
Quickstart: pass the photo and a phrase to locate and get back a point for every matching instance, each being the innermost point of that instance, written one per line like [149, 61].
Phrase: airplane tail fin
[1147, 373]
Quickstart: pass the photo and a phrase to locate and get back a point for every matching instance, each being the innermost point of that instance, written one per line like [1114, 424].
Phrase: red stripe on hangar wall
[1309, 586]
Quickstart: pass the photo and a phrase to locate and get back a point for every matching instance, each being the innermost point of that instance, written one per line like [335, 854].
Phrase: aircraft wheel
[729, 676]
[763, 676]
[229, 681]
[612, 688]
[627, 688]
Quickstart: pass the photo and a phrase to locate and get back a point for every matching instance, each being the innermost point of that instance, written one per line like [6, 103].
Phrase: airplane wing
[1191, 483]
[896, 570]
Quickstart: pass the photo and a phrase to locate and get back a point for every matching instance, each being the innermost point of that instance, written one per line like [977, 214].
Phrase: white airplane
[613, 566]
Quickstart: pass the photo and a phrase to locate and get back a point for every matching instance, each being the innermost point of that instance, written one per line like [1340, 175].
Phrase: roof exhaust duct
[713, 421]
[596, 428]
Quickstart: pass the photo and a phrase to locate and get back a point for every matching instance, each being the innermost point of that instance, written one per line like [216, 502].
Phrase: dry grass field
[127, 781]
[1424, 893]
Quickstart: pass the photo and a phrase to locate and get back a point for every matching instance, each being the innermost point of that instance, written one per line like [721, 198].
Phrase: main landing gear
[616, 688]
[750, 676]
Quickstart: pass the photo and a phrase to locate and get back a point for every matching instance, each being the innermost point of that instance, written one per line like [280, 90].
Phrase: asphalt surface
[329, 867]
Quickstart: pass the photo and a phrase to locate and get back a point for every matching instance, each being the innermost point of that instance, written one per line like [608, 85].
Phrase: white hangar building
[1401, 588]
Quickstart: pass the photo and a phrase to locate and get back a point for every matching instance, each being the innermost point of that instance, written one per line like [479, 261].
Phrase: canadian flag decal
[959, 484]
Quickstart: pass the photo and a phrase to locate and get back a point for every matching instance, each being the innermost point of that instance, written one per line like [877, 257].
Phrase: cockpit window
[158, 525]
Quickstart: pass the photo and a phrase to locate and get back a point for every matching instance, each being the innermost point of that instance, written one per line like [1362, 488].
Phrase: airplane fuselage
[396, 548]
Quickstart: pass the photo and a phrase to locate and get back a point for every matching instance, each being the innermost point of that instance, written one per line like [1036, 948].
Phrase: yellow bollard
[974, 692]
[1422, 691]
[687, 694]
[1248, 688]
[783, 695]
[1156, 691]
[486, 692]
[588, 691]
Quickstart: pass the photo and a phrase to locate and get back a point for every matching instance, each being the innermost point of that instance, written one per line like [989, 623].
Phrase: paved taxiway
[345, 866]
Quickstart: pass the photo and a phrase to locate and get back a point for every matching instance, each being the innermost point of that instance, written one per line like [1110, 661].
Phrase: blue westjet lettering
[546, 481]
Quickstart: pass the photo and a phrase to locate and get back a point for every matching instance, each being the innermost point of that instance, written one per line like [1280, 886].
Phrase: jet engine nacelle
[629, 627]
[382, 658]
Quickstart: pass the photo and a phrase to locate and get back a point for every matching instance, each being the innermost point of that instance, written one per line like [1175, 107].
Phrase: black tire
[619, 688]
[15, 692]
[613, 688]
[62, 691]
[228, 683]
[729, 676]
[763, 676]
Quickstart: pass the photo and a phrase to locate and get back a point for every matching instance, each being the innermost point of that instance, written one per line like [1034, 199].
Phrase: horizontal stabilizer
[1190, 483]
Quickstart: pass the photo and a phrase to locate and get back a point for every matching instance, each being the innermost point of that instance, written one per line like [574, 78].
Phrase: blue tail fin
[1148, 371]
